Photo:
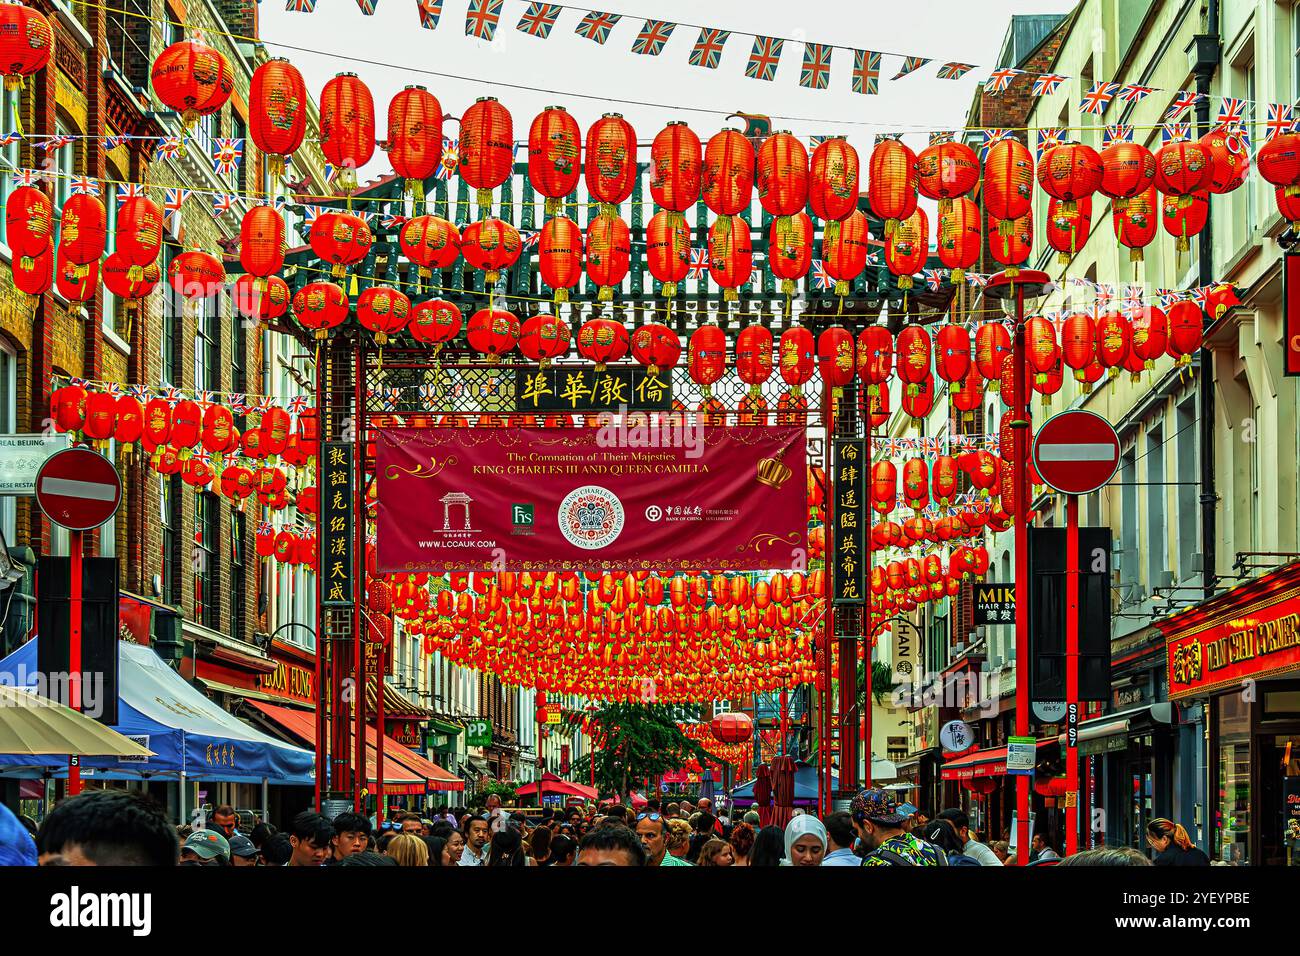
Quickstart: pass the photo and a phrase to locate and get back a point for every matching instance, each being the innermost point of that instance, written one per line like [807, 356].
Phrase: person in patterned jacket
[879, 823]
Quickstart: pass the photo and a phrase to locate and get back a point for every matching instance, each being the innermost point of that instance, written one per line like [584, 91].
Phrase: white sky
[944, 30]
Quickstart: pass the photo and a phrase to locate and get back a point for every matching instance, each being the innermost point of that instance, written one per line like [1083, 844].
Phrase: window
[169, 514]
[238, 369]
[169, 369]
[1128, 534]
[1158, 543]
[1187, 493]
[206, 577]
[109, 318]
[207, 346]
[238, 577]
[8, 425]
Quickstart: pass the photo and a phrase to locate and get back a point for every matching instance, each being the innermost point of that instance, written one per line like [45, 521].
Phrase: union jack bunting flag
[300, 6]
[1166, 297]
[265, 403]
[392, 220]
[168, 147]
[873, 259]
[530, 239]
[708, 48]
[329, 173]
[482, 17]
[265, 528]
[450, 159]
[595, 26]
[8, 139]
[933, 278]
[1199, 295]
[27, 177]
[141, 393]
[204, 397]
[129, 191]
[910, 65]
[392, 397]
[116, 390]
[539, 18]
[428, 393]
[1119, 133]
[1182, 102]
[78, 382]
[173, 201]
[310, 214]
[430, 13]
[976, 280]
[1175, 132]
[1049, 136]
[227, 155]
[941, 136]
[111, 142]
[298, 404]
[654, 34]
[1231, 110]
[1098, 98]
[1281, 119]
[866, 72]
[990, 136]
[51, 143]
[955, 71]
[823, 281]
[171, 394]
[84, 185]
[1047, 84]
[222, 202]
[816, 72]
[1134, 93]
[1105, 292]
[238, 403]
[368, 7]
[763, 58]
[699, 264]
[999, 80]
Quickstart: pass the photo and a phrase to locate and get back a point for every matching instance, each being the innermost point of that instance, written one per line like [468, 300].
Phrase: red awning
[405, 771]
[550, 783]
[982, 763]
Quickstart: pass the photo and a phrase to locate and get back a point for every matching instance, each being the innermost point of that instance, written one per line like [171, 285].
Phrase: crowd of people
[118, 827]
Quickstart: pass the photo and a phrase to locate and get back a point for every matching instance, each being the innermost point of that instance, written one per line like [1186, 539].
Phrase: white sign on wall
[21, 457]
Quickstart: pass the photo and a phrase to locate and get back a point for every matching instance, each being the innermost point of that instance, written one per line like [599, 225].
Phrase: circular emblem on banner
[591, 517]
[956, 736]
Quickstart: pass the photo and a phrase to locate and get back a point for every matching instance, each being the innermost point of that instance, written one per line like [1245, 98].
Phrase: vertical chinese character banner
[336, 506]
[849, 571]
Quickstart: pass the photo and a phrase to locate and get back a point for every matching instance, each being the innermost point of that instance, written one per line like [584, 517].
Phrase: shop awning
[248, 693]
[396, 704]
[405, 771]
[991, 762]
[1095, 733]
[550, 783]
[187, 732]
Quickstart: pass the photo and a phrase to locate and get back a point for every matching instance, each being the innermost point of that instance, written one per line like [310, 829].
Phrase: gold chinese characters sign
[849, 514]
[337, 506]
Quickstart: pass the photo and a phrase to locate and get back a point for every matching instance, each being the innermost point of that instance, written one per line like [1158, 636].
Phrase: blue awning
[187, 732]
[805, 785]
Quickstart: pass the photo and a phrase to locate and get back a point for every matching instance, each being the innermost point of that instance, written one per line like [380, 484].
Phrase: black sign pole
[1072, 674]
[74, 650]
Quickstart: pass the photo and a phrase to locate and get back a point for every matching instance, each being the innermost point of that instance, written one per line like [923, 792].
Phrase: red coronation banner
[649, 497]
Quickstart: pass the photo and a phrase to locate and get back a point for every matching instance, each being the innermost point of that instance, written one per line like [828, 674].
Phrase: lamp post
[1013, 288]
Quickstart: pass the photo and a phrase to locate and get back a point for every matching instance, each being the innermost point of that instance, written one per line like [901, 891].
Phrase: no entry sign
[1076, 452]
[78, 489]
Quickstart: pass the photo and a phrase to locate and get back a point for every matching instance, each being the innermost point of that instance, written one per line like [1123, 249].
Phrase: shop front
[1239, 654]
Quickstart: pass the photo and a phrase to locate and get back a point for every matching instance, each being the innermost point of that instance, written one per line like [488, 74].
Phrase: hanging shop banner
[1250, 633]
[533, 499]
[1291, 313]
[850, 489]
[336, 509]
[587, 389]
[994, 603]
[478, 733]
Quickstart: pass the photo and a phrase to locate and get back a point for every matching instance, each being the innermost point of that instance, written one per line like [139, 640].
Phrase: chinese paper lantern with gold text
[908, 247]
[1184, 217]
[953, 352]
[789, 249]
[1114, 338]
[946, 171]
[1135, 224]
[603, 341]
[83, 229]
[1229, 158]
[875, 356]
[884, 486]
[192, 78]
[891, 183]
[415, 136]
[1185, 330]
[1278, 161]
[554, 155]
[383, 311]
[139, 233]
[916, 484]
[341, 239]
[992, 344]
[1078, 342]
[836, 360]
[277, 112]
[260, 298]
[754, 357]
[492, 246]
[731, 255]
[668, 249]
[1182, 169]
[1150, 334]
[727, 175]
[912, 362]
[1067, 229]
[959, 237]
[1040, 345]
[833, 181]
[782, 175]
[75, 282]
[845, 254]
[1127, 169]
[347, 127]
[486, 153]
[610, 167]
[1008, 181]
[1069, 172]
[261, 241]
[320, 306]
[430, 242]
[29, 220]
[657, 347]
[26, 42]
[1015, 242]
[917, 404]
[707, 356]
[435, 322]
[196, 275]
[609, 254]
[675, 169]
[492, 332]
[543, 338]
[559, 255]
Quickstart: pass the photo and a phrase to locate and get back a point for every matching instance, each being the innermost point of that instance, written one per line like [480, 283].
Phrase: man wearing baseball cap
[242, 851]
[880, 826]
[205, 848]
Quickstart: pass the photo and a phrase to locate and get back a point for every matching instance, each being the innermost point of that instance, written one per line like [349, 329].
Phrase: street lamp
[1013, 288]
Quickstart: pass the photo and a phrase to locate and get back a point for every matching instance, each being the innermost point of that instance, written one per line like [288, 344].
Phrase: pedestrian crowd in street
[118, 827]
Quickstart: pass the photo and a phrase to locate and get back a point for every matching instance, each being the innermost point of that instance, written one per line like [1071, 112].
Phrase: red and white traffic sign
[1076, 452]
[78, 489]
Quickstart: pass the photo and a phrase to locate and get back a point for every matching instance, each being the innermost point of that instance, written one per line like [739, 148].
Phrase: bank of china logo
[591, 517]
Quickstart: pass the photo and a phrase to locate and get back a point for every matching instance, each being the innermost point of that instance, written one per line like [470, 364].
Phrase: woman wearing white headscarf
[805, 841]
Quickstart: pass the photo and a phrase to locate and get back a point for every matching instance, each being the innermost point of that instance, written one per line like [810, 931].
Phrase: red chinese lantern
[668, 249]
[833, 181]
[1185, 330]
[782, 174]
[101, 416]
[878, 406]
[1078, 343]
[908, 247]
[83, 229]
[731, 255]
[947, 171]
[559, 255]
[277, 112]
[26, 42]
[916, 484]
[435, 322]
[1114, 338]
[1127, 169]
[953, 352]
[1040, 346]
[967, 396]
[1135, 224]
[603, 341]
[959, 236]
[218, 434]
[492, 332]
[656, 347]
[675, 169]
[1017, 241]
[1229, 159]
[139, 233]
[1278, 162]
[875, 354]
[1067, 229]
[320, 306]
[1150, 334]
[196, 275]
[754, 357]
[341, 239]
[115, 273]
[257, 298]
[845, 254]
[1182, 169]
[415, 136]
[1220, 299]
[891, 183]
[29, 216]
[157, 422]
[707, 356]
[943, 484]
[554, 155]
[187, 424]
[611, 162]
[912, 362]
[609, 254]
[1288, 206]
[884, 487]
[789, 249]
[1008, 181]
[193, 79]
[431, 242]
[261, 241]
[347, 127]
[543, 338]
[836, 360]
[68, 407]
[727, 175]
[128, 419]
[491, 245]
[383, 311]
[1184, 219]
[992, 345]
[1070, 172]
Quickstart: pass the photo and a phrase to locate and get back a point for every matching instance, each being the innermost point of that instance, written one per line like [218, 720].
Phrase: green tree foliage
[637, 741]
